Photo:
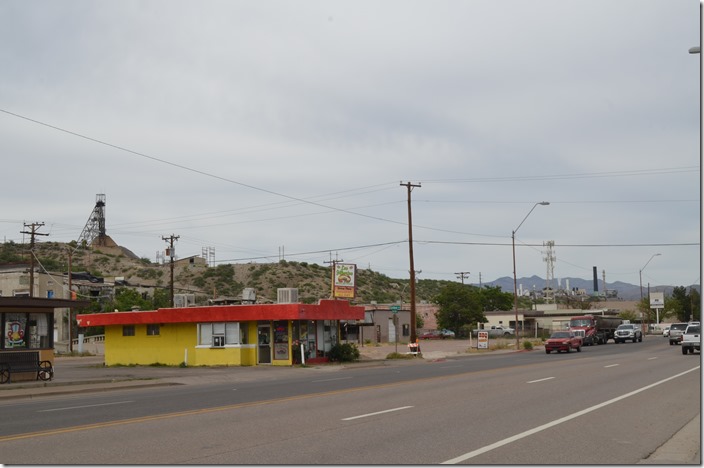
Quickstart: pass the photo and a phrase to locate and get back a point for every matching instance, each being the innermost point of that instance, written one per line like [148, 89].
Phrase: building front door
[264, 344]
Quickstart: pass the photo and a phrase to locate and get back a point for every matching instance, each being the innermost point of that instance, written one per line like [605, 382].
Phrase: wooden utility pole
[171, 240]
[332, 274]
[33, 233]
[462, 275]
[409, 187]
[70, 296]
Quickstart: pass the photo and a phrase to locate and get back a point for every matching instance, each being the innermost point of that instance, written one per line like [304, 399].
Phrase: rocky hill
[226, 280]
[312, 280]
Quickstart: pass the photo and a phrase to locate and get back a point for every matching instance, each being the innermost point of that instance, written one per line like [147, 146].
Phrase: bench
[19, 361]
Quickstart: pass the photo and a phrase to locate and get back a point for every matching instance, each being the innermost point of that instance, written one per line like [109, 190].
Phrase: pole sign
[344, 280]
[482, 340]
[657, 300]
[395, 309]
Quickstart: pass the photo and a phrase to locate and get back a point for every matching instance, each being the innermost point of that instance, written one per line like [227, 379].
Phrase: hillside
[312, 280]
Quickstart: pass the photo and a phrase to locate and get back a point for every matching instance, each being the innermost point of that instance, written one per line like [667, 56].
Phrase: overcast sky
[287, 127]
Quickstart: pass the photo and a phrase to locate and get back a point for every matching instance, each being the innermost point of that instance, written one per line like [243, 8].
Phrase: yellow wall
[170, 347]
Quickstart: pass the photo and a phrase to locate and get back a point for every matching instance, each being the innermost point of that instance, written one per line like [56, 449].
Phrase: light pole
[640, 274]
[515, 290]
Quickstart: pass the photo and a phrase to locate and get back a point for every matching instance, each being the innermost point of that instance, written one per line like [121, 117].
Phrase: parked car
[437, 334]
[666, 331]
[563, 341]
[691, 339]
[676, 331]
[495, 331]
[628, 331]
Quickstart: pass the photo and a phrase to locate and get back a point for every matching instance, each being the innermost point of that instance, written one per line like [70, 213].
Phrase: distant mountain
[625, 291]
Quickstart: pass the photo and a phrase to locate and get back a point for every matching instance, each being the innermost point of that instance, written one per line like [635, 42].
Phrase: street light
[695, 50]
[515, 290]
[640, 273]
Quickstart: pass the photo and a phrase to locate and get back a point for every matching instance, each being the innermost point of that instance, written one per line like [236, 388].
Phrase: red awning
[325, 310]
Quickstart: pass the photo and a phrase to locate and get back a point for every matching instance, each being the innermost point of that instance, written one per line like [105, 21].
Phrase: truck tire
[684, 350]
[579, 349]
[547, 351]
[569, 348]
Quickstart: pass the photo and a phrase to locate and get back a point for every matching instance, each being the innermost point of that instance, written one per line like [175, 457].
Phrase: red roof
[325, 310]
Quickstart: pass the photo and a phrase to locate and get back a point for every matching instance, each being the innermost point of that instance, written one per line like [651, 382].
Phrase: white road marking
[84, 406]
[610, 365]
[556, 422]
[651, 358]
[541, 380]
[378, 412]
[330, 380]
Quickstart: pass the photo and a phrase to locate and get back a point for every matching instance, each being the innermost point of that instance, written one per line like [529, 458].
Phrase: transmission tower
[94, 230]
[208, 253]
[550, 260]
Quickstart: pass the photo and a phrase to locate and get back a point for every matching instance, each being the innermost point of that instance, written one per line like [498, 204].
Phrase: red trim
[325, 310]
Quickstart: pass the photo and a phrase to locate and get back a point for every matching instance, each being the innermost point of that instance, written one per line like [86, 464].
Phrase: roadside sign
[483, 340]
[657, 300]
[394, 309]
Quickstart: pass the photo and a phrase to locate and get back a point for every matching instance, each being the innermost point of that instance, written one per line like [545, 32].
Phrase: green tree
[629, 315]
[492, 298]
[458, 305]
[420, 323]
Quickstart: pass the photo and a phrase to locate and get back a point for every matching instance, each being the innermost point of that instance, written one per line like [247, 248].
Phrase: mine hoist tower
[94, 231]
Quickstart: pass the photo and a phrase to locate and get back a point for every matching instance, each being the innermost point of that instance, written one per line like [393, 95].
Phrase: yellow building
[227, 335]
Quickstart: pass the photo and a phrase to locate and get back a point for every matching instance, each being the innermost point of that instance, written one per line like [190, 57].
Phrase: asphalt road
[613, 404]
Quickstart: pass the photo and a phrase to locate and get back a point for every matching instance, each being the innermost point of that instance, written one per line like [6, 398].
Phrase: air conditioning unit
[287, 295]
[249, 295]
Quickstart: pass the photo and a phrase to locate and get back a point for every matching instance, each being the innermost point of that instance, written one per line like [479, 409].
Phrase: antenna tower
[550, 260]
[94, 230]
[208, 253]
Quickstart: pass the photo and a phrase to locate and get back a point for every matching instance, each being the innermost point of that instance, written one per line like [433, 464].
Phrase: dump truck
[595, 329]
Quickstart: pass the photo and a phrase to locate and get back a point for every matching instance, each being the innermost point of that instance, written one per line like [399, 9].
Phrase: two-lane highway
[607, 404]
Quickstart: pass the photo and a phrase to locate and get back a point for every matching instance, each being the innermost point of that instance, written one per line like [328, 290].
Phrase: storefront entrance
[264, 343]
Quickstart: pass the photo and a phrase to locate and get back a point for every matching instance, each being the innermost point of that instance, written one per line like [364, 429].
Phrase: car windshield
[560, 335]
[693, 329]
[580, 322]
[625, 327]
[678, 326]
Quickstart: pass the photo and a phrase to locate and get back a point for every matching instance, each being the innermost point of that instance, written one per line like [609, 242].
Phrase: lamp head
[544, 203]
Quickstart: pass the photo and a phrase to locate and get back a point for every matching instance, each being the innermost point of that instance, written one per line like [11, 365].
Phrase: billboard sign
[344, 280]
[657, 300]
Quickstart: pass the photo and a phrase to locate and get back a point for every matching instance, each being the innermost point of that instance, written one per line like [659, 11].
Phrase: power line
[190, 169]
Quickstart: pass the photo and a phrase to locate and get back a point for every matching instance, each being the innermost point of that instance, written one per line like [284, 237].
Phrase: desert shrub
[344, 352]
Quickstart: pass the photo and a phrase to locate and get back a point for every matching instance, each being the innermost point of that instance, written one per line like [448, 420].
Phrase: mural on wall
[15, 334]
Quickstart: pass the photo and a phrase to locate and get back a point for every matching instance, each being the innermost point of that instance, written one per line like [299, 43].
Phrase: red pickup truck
[563, 341]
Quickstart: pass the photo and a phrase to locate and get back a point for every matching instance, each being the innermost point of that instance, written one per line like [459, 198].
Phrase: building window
[152, 329]
[128, 330]
[220, 334]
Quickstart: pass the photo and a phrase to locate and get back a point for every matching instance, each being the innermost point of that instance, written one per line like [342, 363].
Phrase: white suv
[628, 331]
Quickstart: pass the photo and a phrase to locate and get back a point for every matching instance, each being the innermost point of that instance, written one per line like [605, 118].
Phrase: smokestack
[596, 281]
